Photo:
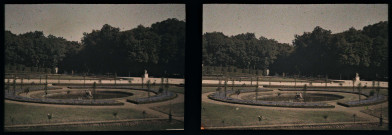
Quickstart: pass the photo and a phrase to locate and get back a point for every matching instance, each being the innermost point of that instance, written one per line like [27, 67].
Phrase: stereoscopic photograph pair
[123, 67]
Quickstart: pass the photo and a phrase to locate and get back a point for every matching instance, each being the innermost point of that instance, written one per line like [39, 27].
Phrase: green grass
[214, 114]
[177, 109]
[376, 111]
[29, 114]
[140, 126]
[176, 89]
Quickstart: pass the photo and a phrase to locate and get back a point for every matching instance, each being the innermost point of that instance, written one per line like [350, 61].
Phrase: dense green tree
[318, 52]
[158, 48]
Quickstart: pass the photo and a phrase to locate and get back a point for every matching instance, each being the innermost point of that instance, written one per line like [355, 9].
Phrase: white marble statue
[145, 74]
[357, 77]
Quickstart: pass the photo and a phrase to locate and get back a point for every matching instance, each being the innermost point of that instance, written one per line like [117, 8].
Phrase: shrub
[34, 69]
[53, 70]
[41, 70]
[247, 71]
[47, 70]
[160, 90]
[325, 117]
[223, 69]
[144, 114]
[115, 114]
[13, 68]
[7, 67]
[49, 116]
[371, 93]
[229, 69]
[20, 67]
[27, 69]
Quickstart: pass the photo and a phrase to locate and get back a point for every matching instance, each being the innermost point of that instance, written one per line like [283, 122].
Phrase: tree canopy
[313, 53]
[159, 49]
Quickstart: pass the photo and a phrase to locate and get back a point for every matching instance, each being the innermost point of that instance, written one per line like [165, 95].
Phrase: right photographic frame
[295, 67]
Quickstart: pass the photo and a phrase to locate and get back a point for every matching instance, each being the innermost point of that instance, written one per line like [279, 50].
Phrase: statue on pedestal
[145, 74]
[357, 77]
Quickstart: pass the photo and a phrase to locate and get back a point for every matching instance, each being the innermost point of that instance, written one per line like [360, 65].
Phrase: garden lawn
[31, 114]
[177, 109]
[375, 110]
[223, 115]
[140, 126]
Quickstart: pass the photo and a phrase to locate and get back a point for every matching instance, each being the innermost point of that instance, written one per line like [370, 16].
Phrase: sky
[281, 22]
[70, 21]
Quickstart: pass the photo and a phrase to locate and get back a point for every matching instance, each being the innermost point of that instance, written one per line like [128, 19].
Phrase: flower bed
[326, 90]
[156, 98]
[368, 101]
[16, 97]
[228, 99]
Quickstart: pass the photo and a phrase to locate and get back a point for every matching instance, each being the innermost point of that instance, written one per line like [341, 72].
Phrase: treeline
[34, 52]
[159, 49]
[241, 51]
[230, 71]
[319, 52]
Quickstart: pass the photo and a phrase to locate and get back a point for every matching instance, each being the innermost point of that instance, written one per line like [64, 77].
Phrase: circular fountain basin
[309, 97]
[102, 94]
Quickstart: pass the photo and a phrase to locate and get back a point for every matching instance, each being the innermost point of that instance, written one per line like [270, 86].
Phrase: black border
[194, 14]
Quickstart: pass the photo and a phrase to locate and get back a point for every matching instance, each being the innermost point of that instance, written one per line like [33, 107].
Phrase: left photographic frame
[94, 67]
